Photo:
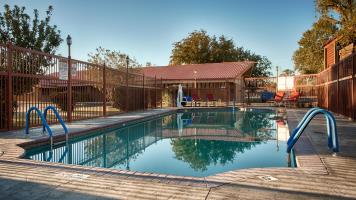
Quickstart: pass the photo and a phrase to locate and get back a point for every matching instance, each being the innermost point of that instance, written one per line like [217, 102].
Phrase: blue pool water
[194, 143]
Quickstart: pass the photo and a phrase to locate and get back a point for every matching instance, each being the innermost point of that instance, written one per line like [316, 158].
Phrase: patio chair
[187, 99]
[278, 98]
[210, 98]
[292, 98]
[196, 99]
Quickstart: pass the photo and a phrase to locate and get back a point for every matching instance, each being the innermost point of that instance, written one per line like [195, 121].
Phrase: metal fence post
[127, 84]
[155, 92]
[143, 92]
[69, 89]
[161, 92]
[104, 90]
[9, 86]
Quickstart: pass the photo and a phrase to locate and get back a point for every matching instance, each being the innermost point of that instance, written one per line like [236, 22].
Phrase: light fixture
[69, 40]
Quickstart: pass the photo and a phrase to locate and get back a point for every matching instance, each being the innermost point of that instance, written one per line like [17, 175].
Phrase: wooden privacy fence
[337, 87]
[32, 78]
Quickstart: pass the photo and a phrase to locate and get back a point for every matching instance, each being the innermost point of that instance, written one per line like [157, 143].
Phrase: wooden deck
[320, 175]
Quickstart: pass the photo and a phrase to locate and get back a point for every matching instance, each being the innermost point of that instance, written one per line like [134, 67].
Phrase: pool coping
[211, 180]
[75, 134]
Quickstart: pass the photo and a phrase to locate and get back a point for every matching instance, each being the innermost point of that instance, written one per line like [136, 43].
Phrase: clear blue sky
[146, 29]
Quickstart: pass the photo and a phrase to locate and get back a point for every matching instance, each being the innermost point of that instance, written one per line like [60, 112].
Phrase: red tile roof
[225, 70]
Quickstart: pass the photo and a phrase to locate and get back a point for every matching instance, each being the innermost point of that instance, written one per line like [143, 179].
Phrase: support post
[69, 89]
[353, 100]
[228, 93]
[143, 93]
[104, 90]
[9, 86]
[161, 92]
[155, 92]
[127, 85]
[277, 80]
[337, 86]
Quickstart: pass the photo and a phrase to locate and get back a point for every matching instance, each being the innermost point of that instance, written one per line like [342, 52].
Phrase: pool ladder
[333, 142]
[44, 121]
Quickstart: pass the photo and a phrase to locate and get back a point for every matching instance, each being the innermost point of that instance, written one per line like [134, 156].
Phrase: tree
[308, 58]
[17, 27]
[199, 47]
[287, 72]
[345, 18]
[194, 49]
[112, 58]
[263, 66]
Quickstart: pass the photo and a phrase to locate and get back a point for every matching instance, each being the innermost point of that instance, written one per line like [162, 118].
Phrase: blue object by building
[265, 96]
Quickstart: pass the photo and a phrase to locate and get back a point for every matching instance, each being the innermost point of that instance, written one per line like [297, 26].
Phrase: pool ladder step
[44, 122]
[333, 142]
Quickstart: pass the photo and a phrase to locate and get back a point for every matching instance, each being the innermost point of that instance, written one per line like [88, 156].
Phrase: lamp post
[277, 79]
[127, 83]
[69, 83]
[195, 78]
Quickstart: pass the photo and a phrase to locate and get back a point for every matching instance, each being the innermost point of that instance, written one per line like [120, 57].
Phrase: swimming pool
[188, 143]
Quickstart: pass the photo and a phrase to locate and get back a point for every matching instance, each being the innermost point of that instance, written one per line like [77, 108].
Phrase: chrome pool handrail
[333, 142]
[43, 120]
[58, 117]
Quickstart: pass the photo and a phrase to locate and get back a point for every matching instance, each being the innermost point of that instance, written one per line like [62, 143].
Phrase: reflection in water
[198, 139]
[205, 152]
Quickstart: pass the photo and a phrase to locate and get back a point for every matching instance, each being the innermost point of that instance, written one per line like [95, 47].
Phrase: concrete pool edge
[41, 141]
[61, 138]
[51, 180]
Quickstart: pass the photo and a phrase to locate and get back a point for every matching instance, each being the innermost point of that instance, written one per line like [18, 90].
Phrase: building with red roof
[217, 82]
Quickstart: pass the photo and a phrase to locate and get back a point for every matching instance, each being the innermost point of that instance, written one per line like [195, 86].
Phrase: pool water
[191, 143]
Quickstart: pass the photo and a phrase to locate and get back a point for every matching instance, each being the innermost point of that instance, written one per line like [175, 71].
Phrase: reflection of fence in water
[106, 150]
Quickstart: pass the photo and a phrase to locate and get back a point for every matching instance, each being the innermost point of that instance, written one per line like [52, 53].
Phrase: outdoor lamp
[127, 61]
[195, 78]
[69, 40]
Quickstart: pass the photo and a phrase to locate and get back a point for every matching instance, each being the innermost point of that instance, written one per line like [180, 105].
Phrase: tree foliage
[337, 18]
[112, 58]
[199, 47]
[16, 26]
[345, 17]
[308, 58]
[287, 72]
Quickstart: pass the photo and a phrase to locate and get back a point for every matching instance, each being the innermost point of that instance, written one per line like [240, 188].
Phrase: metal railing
[333, 142]
[44, 122]
[58, 117]
[33, 78]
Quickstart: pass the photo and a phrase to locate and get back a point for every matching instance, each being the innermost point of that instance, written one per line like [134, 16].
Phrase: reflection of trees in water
[115, 147]
[253, 121]
[207, 152]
